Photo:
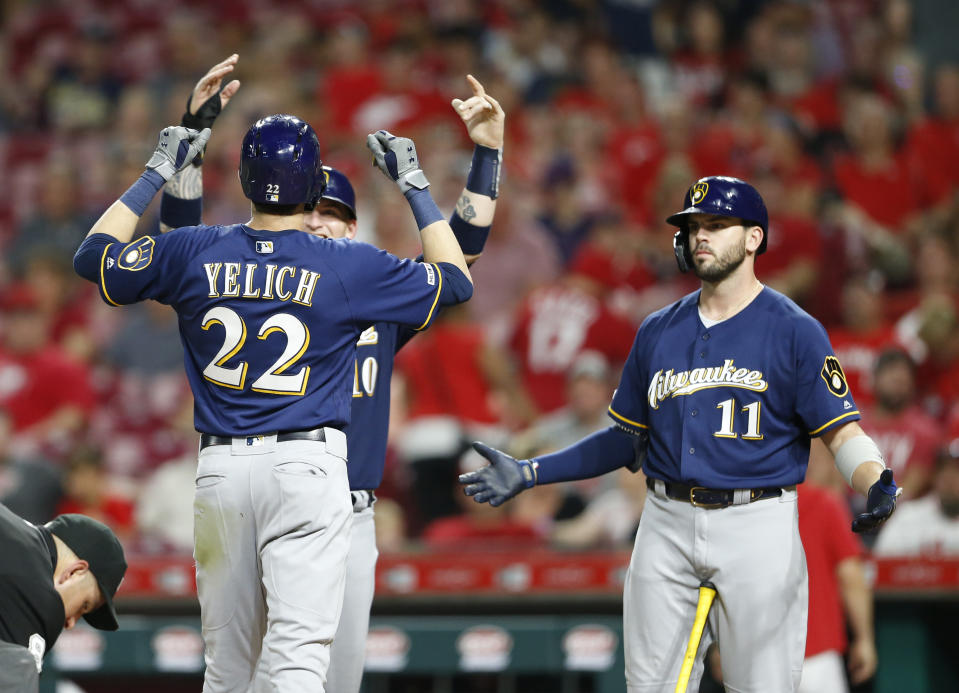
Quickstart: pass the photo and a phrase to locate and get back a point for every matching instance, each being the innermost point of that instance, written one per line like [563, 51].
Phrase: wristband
[471, 238]
[483, 177]
[424, 209]
[139, 195]
[176, 212]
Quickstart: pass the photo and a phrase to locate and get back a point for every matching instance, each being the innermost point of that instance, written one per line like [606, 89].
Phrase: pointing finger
[475, 84]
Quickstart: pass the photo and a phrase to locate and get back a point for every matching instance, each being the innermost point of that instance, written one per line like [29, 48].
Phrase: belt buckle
[696, 503]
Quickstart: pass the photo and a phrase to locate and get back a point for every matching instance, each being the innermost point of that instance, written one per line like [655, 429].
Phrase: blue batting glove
[880, 503]
[499, 481]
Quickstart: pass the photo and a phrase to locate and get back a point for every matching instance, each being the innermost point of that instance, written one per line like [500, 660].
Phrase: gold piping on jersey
[103, 279]
[830, 423]
[439, 288]
[625, 420]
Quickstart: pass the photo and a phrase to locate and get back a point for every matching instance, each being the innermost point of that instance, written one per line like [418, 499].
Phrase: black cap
[95, 543]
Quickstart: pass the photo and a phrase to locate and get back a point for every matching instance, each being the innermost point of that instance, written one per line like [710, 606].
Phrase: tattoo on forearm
[186, 184]
[464, 207]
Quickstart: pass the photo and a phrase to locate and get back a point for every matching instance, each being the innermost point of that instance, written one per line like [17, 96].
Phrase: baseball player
[717, 403]
[269, 318]
[371, 372]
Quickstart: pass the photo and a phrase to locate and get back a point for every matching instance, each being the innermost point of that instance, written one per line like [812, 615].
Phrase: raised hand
[176, 147]
[209, 95]
[396, 158]
[483, 116]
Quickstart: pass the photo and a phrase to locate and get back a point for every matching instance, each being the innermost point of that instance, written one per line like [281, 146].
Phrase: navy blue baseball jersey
[366, 434]
[733, 405]
[269, 320]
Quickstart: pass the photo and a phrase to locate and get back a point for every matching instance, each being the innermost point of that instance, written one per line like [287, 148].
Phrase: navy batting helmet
[723, 196]
[338, 189]
[280, 162]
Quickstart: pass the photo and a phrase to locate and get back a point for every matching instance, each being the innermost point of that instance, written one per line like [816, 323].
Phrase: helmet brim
[678, 218]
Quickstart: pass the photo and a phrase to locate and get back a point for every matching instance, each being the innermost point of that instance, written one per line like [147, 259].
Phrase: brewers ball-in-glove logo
[137, 255]
[834, 377]
[697, 193]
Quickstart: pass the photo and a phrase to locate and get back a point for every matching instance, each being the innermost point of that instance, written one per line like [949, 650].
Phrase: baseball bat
[707, 592]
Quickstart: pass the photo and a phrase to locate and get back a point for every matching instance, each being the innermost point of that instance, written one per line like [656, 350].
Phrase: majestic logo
[835, 379]
[430, 275]
[697, 193]
[666, 384]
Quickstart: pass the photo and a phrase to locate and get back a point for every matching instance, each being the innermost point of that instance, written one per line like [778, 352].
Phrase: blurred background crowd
[845, 115]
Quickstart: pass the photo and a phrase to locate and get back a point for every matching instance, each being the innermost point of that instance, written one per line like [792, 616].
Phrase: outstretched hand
[500, 480]
[483, 116]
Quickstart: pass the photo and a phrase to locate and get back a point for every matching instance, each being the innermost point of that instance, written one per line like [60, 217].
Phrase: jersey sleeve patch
[835, 379]
[137, 255]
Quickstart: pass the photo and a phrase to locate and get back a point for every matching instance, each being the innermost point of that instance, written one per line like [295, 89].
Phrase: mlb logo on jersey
[264, 247]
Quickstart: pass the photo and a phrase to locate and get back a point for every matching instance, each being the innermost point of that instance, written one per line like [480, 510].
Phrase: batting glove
[880, 503]
[499, 481]
[396, 158]
[176, 148]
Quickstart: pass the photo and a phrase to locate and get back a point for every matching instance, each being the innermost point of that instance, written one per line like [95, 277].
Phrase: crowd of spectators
[844, 115]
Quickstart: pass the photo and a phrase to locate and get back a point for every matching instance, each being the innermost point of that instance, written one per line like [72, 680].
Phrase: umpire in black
[50, 576]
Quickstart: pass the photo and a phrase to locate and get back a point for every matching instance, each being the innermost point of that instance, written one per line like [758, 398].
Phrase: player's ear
[754, 238]
[351, 229]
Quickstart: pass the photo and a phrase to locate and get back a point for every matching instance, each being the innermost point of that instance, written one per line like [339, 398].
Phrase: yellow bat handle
[707, 591]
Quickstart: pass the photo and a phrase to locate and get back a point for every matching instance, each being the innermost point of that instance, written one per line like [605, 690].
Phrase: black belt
[703, 497]
[317, 434]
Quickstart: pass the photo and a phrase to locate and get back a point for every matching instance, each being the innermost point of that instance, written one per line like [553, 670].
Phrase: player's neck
[722, 300]
[276, 222]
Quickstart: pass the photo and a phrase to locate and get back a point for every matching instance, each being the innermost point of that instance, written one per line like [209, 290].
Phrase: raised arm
[485, 122]
[181, 202]
[396, 158]
[176, 147]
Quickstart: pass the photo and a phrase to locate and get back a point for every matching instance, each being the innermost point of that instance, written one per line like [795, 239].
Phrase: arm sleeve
[823, 399]
[594, 455]
[381, 287]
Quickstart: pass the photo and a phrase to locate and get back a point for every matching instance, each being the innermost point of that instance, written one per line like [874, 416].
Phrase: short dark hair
[893, 355]
[279, 210]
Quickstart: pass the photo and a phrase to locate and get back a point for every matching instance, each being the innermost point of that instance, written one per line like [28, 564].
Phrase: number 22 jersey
[269, 320]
